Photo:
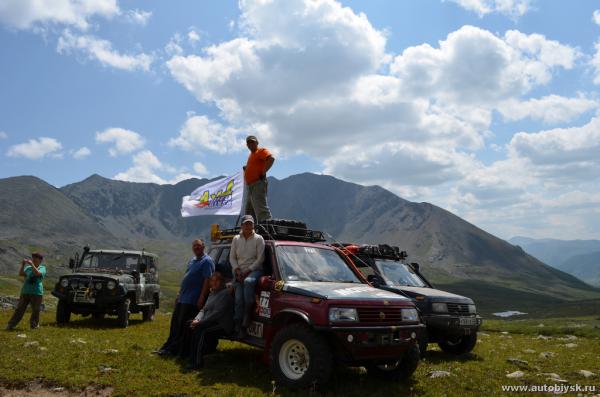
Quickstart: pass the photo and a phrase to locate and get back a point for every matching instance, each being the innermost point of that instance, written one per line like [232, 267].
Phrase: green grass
[237, 370]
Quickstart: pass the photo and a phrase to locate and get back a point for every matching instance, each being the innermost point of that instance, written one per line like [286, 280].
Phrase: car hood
[116, 277]
[339, 291]
[433, 295]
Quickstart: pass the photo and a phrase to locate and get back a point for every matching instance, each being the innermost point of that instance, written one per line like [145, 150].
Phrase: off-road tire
[401, 370]
[63, 312]
[320, 359]
[123, 313]
[148, 312]
[463, 345]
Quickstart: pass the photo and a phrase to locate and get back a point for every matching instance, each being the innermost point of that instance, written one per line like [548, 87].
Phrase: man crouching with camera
[32, 292]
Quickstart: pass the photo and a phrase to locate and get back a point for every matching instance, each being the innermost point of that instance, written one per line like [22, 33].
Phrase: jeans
[256, 201]
[36, 305]
[244, 297]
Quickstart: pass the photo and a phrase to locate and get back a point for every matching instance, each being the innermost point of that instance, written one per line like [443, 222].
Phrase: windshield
[399, 274]
[110, 261]
[299, 263]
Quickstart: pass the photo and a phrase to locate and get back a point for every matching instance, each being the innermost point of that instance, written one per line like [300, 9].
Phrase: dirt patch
[39, 389]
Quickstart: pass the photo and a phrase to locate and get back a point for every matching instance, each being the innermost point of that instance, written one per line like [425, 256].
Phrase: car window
[399, 274]
[300, 263]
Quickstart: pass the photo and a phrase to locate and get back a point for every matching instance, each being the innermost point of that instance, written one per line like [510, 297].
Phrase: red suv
[314, 309]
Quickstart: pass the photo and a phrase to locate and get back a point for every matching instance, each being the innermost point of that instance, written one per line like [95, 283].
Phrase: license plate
[468, 321]
[84, 300]
[255, 329]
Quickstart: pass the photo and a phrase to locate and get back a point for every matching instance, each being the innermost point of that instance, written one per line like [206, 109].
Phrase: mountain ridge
[453, 252]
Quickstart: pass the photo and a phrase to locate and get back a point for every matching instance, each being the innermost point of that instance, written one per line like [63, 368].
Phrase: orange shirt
[256, 165]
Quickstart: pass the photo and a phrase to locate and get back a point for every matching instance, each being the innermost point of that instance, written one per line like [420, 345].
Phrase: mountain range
[581, 258]
[454, 254]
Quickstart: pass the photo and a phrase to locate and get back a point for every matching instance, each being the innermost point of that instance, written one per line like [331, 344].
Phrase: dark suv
[114, 282]
[452, 320]
[315, 310]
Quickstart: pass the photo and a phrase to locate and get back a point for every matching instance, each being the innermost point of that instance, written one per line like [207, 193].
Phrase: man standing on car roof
[259, 162]
[246, 257]
[191, 298]
[32, 292]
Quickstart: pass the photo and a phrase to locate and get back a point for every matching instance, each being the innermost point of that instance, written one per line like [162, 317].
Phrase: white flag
[220, 197]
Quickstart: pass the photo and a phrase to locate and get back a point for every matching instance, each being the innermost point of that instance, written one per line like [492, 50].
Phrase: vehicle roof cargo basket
[383, 250]
[274, 229]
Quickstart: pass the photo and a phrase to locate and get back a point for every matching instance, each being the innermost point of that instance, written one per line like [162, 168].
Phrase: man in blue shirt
[32, 292]
[191, 298]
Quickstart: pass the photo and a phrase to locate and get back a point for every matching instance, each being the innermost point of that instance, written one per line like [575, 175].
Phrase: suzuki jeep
[314, 310]
[452, 320]
[113, 282]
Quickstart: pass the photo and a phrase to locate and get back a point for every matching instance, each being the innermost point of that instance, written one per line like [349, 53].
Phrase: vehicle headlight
[410, 315]
[64, 282]
[342, 314]
[472, 309]
[111, 285]
[98, 285]
[439, 307]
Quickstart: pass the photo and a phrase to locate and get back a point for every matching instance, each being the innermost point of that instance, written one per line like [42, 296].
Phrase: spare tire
[281, 227]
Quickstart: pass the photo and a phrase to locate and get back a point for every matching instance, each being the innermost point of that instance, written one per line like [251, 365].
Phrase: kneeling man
[215, 320]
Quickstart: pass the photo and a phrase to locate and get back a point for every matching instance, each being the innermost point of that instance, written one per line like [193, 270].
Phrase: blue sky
[484, 107]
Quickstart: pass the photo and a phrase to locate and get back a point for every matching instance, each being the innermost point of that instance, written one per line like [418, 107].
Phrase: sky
[487, 108]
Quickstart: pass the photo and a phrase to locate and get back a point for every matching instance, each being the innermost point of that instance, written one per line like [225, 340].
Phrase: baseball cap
[251, 138]
[247, 218]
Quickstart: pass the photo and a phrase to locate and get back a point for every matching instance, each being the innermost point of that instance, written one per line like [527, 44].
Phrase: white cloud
[3, 135]
[306, 76]
[36, 149]
[139, 17]
[173, 47]
[193, 36]
[596, 17]
[570, 150]
[102, 51]
[200, 169]
[549, 109]
[595, 62]
[314, 78]
[146, 167]
[25, 14]
[123, 140]
[81, 153]
[512, 8]
[475, 66]
[199, 132]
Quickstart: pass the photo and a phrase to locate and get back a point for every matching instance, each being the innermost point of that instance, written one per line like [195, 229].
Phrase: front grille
[379, 315]
[458, 308]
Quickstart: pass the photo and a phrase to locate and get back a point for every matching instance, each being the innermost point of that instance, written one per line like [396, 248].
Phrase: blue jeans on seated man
[245, 293]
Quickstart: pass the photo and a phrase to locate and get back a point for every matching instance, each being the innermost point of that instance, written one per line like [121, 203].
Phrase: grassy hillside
[120, 361]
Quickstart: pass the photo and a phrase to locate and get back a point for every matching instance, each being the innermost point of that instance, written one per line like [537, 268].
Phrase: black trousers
[200, 341]
[182, 314]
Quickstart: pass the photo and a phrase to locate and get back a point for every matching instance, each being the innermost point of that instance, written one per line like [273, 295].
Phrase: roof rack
[380, 251]
[271, 231]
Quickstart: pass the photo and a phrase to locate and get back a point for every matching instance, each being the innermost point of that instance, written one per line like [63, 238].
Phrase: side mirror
[265, 283]
[415, 266]
[375, 280]
[71, 263]
[143, 268]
